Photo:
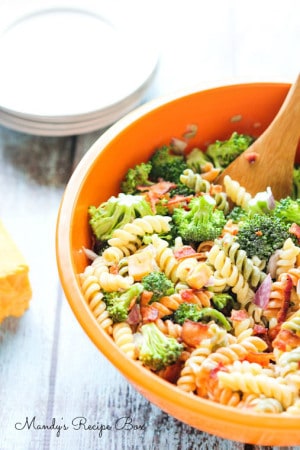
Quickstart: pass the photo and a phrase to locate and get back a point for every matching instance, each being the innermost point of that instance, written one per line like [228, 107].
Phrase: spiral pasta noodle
[123, 337]
[168, 304]
[258, 384]
[169, 328]
[287, 257]
[228, 270]
[94, 297]
[194, 181]
[127, 239]
[236, 192]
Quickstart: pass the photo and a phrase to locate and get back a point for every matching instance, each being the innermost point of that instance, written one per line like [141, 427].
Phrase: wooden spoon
[269, 161]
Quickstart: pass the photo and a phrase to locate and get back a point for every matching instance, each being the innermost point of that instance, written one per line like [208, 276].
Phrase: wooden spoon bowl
[269, 161]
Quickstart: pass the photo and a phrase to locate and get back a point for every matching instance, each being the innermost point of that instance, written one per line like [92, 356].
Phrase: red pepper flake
[258, 233]
[251, 157]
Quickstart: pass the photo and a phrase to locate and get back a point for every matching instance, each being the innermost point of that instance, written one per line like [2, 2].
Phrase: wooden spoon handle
[269, 161]
[284, 130]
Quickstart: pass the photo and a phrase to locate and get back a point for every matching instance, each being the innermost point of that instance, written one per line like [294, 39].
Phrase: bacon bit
[259, 233]
[114, 269]
[171, 373]
[149, 314]
[187, 295]
[286, 340]
[178, 201]
[134, 316]
[295, 230]
[251, 157]
[146, 297]
[194, 332]
[260, 358]
[287, 290]
[239, 315]
[259, 329]
[184, 251]
[156, 191]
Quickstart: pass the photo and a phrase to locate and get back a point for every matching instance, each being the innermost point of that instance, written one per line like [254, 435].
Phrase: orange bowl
[245, 108]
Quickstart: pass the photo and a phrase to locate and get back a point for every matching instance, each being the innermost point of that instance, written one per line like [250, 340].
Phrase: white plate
[64, 63]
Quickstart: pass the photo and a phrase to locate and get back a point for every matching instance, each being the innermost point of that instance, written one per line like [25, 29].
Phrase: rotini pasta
[194, 181]
[236, 192]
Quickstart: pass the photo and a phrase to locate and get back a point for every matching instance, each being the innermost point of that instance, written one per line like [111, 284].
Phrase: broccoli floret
[181, 189]
[136, 176]
[201, 222]
[116, 212]
[222, 153]
[223, 302]
[156, 350]
[187, 311]
[191, 311]
[237, 214]
[167, 165]
[117, 304]
[261, 235]
[288, 210]
[196, 159]
[296, 182]
[159, 284]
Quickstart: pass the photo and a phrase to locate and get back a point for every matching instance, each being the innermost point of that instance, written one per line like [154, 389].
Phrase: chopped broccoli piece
[136, 176]
[260, 235]
[181, 189]
[223, 302]
[187, 311]
[288, 210]
[117, 304]
[159, 284]
[222, 153]
[167, 165]
[237, 214]
[296, 182]
[157, 350]
[191, 311]
[116, 212]
[202, 222]
[196, 159]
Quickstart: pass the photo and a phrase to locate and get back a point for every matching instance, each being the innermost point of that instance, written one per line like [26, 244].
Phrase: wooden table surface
[48, 366]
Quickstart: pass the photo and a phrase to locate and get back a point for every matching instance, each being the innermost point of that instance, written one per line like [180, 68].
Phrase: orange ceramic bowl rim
[226, 422]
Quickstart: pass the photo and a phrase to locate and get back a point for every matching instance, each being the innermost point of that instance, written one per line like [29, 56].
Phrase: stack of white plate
[68, 69]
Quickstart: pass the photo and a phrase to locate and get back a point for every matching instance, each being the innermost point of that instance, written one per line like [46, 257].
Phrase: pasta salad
[198, 282]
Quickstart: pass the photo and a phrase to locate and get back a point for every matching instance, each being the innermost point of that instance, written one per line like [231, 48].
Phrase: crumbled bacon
[239, 315]
[149, 314]
[194, 332]
[286, 340]
[251, 157]
[183, 252]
